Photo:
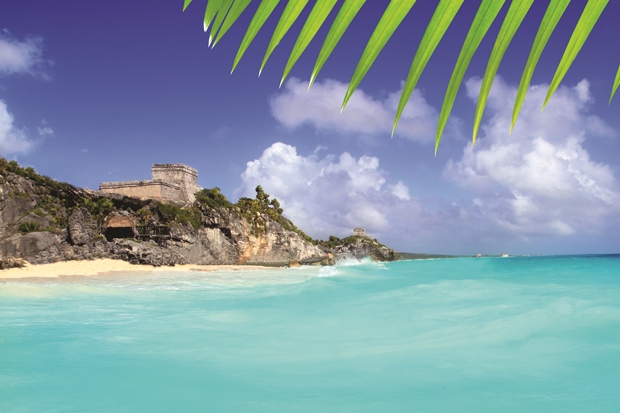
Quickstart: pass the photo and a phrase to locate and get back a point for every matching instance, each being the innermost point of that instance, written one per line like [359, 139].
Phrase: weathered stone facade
[170, 181]
[360, 232]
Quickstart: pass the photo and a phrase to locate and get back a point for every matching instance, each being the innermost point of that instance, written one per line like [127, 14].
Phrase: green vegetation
[253, 211]
[48, 183]
[99, 207]
[221, 15]
[213, 198]
[334, 241]
[169, 213]
[28, 226]
[57, 200]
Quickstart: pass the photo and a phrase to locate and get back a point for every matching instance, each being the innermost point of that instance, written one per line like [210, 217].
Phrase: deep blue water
[519, 334]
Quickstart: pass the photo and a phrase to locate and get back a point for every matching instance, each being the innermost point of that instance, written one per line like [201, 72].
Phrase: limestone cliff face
[362, 247]
[42, 221]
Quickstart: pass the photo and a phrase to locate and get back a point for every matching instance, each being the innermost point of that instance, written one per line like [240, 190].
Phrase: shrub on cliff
[28, 226]
[171, 213]
[213, 198]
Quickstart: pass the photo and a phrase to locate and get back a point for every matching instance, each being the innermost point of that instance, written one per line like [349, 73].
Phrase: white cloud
[540, 180]
[12, 140]
[364, 115]
[45, 131]
[20, 56]
[328, 195]
[535, 191]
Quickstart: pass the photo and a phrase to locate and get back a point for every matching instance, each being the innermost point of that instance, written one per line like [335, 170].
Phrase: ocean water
[519, 334]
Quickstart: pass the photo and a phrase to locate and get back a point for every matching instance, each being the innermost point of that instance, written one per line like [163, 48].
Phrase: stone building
[360, 232]
[170, 181]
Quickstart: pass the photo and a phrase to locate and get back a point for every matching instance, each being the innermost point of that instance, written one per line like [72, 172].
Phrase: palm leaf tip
[588, 19]
[615, 86]
[512, 21]
[552, 16]
[486, 14]
[315, 20]
[290, 14]
[389, 22]
[437, 27]
[345, 15]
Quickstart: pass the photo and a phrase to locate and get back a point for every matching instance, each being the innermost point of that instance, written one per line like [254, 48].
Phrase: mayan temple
[172, 181]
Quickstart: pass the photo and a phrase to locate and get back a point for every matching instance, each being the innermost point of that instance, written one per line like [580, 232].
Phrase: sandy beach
[103, 266]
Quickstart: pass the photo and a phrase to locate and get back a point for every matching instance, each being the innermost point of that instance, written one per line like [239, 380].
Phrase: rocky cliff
[43, 221]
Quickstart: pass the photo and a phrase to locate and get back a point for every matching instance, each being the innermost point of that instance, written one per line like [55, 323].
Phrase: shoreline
[103, 266]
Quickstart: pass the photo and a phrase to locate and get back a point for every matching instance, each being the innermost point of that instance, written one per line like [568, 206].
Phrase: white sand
[102, 266]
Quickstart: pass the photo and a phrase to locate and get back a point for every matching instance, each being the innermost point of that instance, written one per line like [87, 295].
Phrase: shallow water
[536, 334]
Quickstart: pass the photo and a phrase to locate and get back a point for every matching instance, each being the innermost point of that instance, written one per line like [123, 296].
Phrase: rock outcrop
[44, 221]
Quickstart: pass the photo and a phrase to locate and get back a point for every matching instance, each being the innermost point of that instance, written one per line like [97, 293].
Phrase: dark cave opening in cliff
[119, 232]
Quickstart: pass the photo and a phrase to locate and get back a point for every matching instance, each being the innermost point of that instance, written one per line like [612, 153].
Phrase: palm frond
[315, 20]
[345, 16]
[485, 16]
[514, 17]
[260, 17]
[586, 22]
[441, 20]
[391, 19]
[233, 14]
[552, 16]
[220, 15]
[291, 13]
[615, 86]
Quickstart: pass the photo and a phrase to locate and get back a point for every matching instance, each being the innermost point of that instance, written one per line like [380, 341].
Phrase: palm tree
[221, 14]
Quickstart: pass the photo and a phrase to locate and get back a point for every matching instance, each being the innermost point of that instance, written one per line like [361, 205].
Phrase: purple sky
[98, 91]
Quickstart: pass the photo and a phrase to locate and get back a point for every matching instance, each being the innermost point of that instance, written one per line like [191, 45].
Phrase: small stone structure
[173, 181]
[360, 232]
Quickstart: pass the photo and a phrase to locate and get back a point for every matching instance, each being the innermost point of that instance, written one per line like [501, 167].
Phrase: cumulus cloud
[540, 180]
[538, 187]
[12, 139]
[364, 115]
[20, 56]
[326, 195]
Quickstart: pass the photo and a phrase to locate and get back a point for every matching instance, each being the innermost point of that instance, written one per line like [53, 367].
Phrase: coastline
[87, 268]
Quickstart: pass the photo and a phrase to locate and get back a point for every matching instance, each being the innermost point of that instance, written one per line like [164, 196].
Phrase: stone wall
[170, 181]
[183, 176]
[142, 189]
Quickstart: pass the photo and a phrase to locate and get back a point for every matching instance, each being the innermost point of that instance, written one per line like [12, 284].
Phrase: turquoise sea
[518, 334]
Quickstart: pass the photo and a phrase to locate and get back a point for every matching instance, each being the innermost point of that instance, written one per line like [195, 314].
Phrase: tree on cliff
[221, 14]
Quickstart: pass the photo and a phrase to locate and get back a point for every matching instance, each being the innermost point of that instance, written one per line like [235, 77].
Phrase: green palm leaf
[441, 20]
[213, 6]
[552, 16]
[615, 87]
[586, 22]
[233, 14]
[222, 14]
[514, 17]
[391, 19]
[485, 16]
[289, 16]
[260, 17]
[317, 17]
[346, 14]
[219, 18]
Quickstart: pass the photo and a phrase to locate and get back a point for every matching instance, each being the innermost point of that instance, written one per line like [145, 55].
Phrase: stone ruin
[172, 181]
[360, 232]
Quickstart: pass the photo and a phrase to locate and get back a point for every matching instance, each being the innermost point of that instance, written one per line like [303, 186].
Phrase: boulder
[146, 253]
[82, 227]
